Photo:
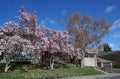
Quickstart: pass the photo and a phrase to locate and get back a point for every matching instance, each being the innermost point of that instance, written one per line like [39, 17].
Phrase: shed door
[107, 66]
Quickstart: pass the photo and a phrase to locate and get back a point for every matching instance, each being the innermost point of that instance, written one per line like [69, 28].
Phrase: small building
[91, 59]
[104, 64]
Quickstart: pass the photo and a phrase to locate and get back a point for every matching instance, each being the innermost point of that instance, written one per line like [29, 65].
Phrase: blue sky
[49, 10]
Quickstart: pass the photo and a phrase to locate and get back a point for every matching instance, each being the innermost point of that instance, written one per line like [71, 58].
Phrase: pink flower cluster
[32, 38]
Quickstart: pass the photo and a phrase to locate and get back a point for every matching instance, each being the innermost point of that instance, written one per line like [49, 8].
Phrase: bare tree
[86, 32]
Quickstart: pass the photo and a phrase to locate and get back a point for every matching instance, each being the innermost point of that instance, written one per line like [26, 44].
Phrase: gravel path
[103, 76]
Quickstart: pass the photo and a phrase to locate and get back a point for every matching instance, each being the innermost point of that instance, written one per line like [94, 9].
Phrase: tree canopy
[86, 32]
[29, 37]
[107, 48]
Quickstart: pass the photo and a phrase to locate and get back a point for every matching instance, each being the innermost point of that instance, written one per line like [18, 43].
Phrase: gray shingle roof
[103, 60]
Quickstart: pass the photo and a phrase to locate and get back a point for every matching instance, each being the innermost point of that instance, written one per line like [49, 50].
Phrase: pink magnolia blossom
[39, 38]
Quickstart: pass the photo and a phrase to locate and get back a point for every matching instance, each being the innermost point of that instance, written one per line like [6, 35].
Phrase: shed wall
[90, 62]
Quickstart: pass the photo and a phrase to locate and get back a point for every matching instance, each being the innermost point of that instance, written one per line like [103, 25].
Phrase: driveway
[103, 76]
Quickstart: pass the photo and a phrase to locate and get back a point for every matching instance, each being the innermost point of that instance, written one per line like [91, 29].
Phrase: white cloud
[48, 21]
[64, 12]
[116, 24]
[52, 21]
[111, 45]
[117, 35]
[44, 21]
[110, 8]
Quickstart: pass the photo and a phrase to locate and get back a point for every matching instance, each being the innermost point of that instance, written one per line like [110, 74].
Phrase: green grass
[69, 70]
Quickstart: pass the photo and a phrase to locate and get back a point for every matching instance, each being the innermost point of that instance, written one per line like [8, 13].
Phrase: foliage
[60, 65]
[22, 65]
[72, 70]
[107, 48]
[2, 66]
[115, 64]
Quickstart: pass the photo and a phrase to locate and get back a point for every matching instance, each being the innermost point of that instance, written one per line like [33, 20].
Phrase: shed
[104, 64]
[90, 61]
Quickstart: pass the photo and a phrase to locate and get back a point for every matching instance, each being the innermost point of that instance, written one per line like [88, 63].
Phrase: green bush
[71, 66]
[116, 65]
[2, 66]
[36, 65]
[60, 65]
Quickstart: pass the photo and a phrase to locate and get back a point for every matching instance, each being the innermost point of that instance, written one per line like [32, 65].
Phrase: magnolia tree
[27, 36]
[10, 46]
[59, 42]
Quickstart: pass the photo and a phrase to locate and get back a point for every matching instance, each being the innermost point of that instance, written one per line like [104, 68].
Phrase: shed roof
[103, 60]
[92, 51]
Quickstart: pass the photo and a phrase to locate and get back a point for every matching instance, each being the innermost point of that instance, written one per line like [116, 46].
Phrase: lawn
[67, 71]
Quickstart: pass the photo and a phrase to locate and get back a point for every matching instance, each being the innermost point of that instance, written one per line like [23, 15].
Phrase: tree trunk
[6, 67]
[51, 63]
[38, 58]
[6, 60]
[82, 61]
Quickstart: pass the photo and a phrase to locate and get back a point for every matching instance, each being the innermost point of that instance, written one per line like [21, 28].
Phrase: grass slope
[70, 70]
